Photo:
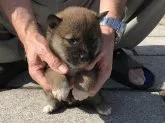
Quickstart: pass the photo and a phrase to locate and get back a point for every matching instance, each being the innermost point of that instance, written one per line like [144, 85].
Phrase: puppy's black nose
[84, 57]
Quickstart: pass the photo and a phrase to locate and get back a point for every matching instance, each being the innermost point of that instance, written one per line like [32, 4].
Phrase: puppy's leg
[59, 85]
[98, 103]
[52, 103]
[60, 90]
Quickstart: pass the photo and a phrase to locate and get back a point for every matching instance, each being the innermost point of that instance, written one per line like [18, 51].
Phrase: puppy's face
[74, 35]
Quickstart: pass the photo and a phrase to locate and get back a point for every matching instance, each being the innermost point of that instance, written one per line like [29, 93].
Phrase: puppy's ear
[53, 21]
[102, 15]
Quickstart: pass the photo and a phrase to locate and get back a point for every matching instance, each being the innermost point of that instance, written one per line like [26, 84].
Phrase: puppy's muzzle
[84, 57]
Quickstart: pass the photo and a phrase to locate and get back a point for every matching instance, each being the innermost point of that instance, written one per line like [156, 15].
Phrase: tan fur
[78, 23]
[58, 83]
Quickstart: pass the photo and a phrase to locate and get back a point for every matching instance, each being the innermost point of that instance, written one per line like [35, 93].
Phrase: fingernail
[63, 68]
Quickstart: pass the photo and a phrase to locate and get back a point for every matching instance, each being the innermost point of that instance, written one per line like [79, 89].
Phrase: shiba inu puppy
[74, 36]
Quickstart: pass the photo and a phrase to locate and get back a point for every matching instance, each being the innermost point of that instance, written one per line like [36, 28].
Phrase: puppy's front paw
[48, 109]
[79, 94]
[103, 109]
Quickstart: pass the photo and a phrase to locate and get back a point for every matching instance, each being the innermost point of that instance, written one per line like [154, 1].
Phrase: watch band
[117, 25]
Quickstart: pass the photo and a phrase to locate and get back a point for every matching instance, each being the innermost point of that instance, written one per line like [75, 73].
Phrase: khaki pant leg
[142, 23]
[10, 48]
[43, 8]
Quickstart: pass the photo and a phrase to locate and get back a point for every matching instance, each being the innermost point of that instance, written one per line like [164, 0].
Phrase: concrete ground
[24, 105]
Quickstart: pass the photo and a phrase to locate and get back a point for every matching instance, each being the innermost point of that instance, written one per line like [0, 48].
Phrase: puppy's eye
[73, 41]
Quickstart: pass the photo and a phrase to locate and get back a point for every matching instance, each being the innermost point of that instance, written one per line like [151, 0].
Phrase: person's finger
[54, 63]
[95, 88]
[37, 74]
[102, 77]
[46, 55]
[91, 65]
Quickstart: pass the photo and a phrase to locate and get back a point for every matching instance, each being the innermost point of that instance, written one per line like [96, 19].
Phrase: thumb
[54, 63]
[91, 65]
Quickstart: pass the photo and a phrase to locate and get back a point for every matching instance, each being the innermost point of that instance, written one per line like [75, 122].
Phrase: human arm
[103, 61]
[21, 16]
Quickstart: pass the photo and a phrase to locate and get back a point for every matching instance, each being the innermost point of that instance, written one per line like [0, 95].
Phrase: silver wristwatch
[116, 24]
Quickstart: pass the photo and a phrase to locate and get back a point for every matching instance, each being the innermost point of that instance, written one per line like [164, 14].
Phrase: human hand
[103, 62]
[38, 55]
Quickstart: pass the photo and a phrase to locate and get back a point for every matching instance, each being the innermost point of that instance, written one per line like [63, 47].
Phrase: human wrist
[25, 31]
[108, 35]
[31, 38]
[107, 29]
[116, 24]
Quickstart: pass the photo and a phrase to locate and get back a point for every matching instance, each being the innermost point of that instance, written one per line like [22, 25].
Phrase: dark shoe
[122, 64]
[10, 70]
